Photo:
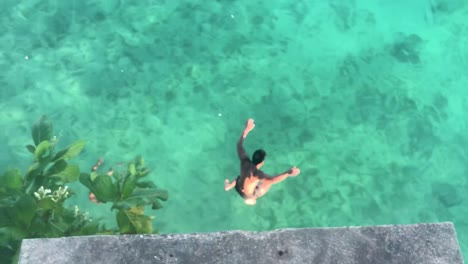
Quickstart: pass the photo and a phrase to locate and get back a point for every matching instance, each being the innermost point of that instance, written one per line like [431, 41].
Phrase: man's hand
[293, 172]
[249, 126]
[227, 185]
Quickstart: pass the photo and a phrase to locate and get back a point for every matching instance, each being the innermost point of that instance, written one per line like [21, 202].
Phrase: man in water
[252, 183]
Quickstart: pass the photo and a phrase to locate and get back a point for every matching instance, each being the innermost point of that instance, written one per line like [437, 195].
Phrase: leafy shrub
[32, 206]
[129, 195]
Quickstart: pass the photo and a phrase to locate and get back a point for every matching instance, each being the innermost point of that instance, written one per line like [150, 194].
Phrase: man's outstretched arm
[228, 185]
[281, 177]
[240, 148]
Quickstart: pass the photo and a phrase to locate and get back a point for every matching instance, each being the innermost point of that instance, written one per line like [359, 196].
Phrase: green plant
[32, 206]
[129, 195]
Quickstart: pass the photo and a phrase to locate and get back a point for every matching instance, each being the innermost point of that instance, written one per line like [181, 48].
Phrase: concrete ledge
[419, 243]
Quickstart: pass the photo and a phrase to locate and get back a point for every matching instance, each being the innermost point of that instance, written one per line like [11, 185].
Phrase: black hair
[258, 156]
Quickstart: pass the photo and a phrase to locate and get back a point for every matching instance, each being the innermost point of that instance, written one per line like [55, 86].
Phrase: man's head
[258, 157]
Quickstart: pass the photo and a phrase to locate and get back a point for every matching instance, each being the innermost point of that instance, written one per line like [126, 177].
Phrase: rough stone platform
[408, 244]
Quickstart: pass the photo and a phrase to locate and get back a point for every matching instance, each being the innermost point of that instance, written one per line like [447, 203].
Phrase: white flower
[83, 216]
[60, 194]
[77, 211]
[42, 193]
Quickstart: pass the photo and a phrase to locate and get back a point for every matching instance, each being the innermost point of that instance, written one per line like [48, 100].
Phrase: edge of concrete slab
[416, 243]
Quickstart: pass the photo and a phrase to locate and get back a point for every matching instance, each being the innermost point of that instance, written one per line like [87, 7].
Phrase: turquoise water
[367, 98]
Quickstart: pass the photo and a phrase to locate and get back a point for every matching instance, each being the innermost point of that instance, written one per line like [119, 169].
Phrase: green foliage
[41, 130]
[11, 183]
[128, 195]
[32, 206]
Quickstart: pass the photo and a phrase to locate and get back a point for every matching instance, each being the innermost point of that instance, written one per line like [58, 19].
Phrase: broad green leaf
[34, 167]
[56, 228]
[143, 197]
[133, 222]
[69, 174]
[31, 148]
[139, 210]
[93, 175]
[124, 224]
[10, 242]
[139, 161]
[35, 173]
[56, 168]
[12, 180]
[72, 151]
[43, 149]
[143, 224]
[39, 227]
[59, 155]
[146, 184]
[6, 216]
[12, 233]
[119, 175]
[132, 168]
[60, 210]
[41, 130]
[85, 179]
[156, 205]
[122, 205]
[104, 189]
[142, 172]
[7, 202]
[151, 193]
[90, 228]
[129, 184]
[46, 203]
[24, 210]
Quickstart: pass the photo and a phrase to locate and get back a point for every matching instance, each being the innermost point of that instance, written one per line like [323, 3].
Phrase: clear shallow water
[368, 99]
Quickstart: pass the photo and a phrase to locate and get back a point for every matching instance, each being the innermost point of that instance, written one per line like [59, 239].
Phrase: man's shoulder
[246, 160]
[260, 174]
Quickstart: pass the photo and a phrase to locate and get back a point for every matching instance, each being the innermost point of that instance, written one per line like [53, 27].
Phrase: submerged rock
[406, 49]
[446, 194]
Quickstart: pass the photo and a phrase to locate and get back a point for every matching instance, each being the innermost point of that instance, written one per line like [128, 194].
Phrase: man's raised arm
[240, 148]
